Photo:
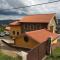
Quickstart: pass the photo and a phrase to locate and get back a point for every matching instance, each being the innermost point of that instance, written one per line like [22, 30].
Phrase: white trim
[23, 55]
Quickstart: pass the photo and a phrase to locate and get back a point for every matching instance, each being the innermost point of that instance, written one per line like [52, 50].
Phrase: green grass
[1, 29]
[6, 57]
[55, 55]
[56, 52]
[53, 58]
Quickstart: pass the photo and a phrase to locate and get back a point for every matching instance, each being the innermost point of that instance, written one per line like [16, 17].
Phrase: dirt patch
[7, 50]
[9, 53]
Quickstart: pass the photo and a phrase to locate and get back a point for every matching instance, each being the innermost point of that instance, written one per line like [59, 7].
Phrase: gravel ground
[6, 49]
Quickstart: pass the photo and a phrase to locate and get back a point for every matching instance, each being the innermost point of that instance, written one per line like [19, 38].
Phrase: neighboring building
[7, 28]
[15, 29]
[38, 21]
[33, 22]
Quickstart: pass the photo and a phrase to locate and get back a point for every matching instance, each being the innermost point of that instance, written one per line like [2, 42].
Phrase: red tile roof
[7, 28]
[41, 35]
[41, 18]
[15, 23]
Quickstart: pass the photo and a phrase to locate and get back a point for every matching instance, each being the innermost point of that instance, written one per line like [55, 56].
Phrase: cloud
[4, 5]
[33, 2]
[46, 8]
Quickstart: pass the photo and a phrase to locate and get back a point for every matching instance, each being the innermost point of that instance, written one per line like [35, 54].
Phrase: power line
[37, 4]
[33, 5]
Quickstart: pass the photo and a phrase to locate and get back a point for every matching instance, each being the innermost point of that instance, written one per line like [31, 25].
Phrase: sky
[8, 12]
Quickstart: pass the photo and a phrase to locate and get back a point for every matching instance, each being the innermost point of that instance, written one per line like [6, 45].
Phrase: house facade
[38, 42]
[34, 22]
[31, 23]
[39, 52]
[15, 29]
[37, 22]
[33, 32]
[28, 42]
[41, 46]
[32, 26]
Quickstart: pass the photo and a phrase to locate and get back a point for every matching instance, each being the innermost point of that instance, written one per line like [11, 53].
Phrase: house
[38, 42]
[38, 21]
[7, 28]
[39, 52]
[34, 37]
[15, 29]
[33, 22]
[35, 33]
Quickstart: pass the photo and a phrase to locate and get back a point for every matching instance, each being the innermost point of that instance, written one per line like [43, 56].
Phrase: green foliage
[1, 29]
[56, 51]
[56, 54]
[6, 57]
[53, 58]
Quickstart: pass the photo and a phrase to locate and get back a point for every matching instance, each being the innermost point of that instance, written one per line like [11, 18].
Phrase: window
[43, 25]
[39, 26]
[25, 38]
[35, 26]
[13, 32]
[31, 27]
[17, 33]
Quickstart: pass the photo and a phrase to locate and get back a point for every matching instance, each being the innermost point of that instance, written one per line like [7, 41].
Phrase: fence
[39, 52]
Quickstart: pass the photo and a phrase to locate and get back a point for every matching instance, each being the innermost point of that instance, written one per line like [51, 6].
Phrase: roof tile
[41, 35]
[15, 23]
[41, 18]
[7, 28]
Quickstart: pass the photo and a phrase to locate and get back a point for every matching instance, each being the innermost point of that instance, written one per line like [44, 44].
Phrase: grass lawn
[1, 29]
[55, 56]
[56, 52]
[6, 57]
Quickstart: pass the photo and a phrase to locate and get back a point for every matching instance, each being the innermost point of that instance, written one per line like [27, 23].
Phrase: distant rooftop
[15, 23]
[7, 28]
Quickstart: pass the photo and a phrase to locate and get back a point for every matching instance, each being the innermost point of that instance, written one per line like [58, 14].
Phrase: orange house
[34, 22]
[32, 32]
[29, 38]
[36, 44]
[31, 23]
[38, 21]
[15, 29]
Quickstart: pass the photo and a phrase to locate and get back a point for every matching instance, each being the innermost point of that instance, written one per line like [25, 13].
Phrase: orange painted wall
[21, 43]
[16, 29]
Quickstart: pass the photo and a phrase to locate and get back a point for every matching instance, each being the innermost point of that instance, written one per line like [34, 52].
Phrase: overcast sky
[45, 8]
